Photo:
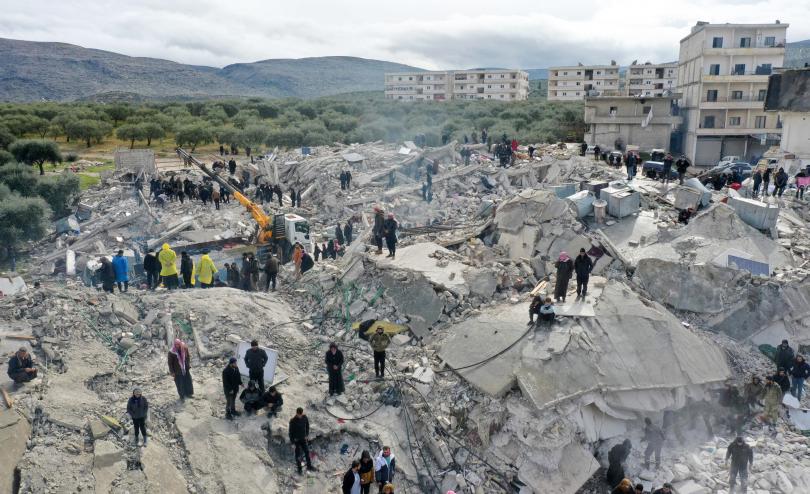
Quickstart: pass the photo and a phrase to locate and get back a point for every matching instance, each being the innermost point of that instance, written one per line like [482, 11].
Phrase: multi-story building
[723, 74]
[574, 83]
[489, 84]
[651, 79]
[617, 121]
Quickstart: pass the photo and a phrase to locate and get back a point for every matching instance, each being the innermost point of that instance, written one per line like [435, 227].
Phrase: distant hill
[31, 70]
[797, 53]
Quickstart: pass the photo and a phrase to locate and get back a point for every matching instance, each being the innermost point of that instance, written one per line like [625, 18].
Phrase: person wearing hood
[231, 382]
[251, 398]
[348, 232]
[138, 408]
[582, 266]
[366, 472]
[616, 457]
[151, 266]
[799, 372]
[390, 226]
[180, 369]
[741, 456]
[351, 479]
[565, 269]
[378, 230]
[121, 267]
[187, 270]
[784, 355]
[385, 465]
[780, 181]
[334, 366]
[206, 271]
[107, 274]
[168, 269]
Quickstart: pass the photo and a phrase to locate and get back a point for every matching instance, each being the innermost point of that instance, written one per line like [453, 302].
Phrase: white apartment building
[574, 83]
[489, 84]
[651, 79]
[723, 74]
[789, 101]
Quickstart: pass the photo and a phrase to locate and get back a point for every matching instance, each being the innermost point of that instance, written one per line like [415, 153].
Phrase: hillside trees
[36, 152]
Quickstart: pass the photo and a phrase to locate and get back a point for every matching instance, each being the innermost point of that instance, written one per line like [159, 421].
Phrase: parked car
[740, 170]
[725, 160]
[655, 170]
[657, 155]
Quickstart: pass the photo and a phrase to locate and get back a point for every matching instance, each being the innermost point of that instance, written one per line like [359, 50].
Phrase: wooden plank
[19, 337]
[9, 401]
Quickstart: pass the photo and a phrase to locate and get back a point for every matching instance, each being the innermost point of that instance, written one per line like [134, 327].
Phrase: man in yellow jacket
[168, 269]
[206, 271]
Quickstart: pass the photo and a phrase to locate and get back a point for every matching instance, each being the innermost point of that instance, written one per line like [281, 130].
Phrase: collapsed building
[476, 400]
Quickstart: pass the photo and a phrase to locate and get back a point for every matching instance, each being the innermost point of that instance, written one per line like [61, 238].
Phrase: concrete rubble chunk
[125, 310]
[98, 429]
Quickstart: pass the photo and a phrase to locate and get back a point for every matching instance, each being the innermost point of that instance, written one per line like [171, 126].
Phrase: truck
[279, 232]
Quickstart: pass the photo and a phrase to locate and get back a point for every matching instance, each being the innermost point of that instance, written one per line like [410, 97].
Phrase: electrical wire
[488, 359]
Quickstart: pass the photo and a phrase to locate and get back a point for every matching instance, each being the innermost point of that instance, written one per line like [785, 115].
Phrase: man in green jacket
[379, 343]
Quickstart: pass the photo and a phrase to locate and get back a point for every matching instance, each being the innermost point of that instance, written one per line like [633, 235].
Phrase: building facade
[575, 83]
[494, 84]
[651, 79]
[788, 100]
[617, 121]
[723, 74]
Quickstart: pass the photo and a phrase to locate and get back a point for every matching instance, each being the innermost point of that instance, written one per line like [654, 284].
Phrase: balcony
[760, 75]
[756, 48]
[723, 130]
[729, 103]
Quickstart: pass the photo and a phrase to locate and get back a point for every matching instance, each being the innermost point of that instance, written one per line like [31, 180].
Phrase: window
[736, 94]
[739, 69]
[759, 122]
[717, 42]
[708, 122]
[770, 40]
[761, 94]
[614, 110]
[565, 73]
[577, 93]
[734, 121]
[399, 78]
[745, 42]
[714, 69]
[646, 109]
[410, 78]
[598, 72]
[579, 72]
[711, 95]
[565, 94]
[502, 86]
[577, 83]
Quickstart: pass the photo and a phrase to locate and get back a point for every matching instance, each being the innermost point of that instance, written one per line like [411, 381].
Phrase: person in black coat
[390, 226]
[348, 231]
[582, 266]
[231, 382]
[255, 360]
[334, 366]
[138, 408]
[299, 434]
[152, 267]
[351, 478]
[251, 397]
[565, 269]
[21, 367]
[306, 262]
[781, 378]
[616, 457]
[106, 274]
[273, 400]
[784, 355]
[339, 234]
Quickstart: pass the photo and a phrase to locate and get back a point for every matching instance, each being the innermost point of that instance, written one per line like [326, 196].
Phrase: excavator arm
[264, 221]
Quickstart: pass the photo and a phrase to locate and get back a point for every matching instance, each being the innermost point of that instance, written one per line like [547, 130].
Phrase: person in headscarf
[180, 369]
[390, 231]
[565, 269]
[107, 274]
[366, 472]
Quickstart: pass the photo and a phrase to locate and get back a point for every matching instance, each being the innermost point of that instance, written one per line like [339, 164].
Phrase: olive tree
[36, 152]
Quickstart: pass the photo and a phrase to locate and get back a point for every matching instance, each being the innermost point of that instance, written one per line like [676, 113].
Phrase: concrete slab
[14, 433]
[447, 274]
[160, 472]
[125, 310]
[98, 429]
[417, 299]
[108, 463]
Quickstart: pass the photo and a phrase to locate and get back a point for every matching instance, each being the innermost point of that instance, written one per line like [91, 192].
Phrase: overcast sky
[426, 33]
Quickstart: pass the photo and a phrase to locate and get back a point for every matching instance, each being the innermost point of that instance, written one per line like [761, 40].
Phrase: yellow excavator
[280, 231]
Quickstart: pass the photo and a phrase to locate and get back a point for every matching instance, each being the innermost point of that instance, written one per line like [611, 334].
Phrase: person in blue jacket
[121, 269]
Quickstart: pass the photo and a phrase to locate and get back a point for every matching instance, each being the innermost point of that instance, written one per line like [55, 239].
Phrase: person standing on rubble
[232, 166]
[390, 231]
[752, 393]
[187, 270]
[292, 196]
[654, 437]
[799, 372]
[206, 271]
[565, 269]
[231, 382]
[583, 265]
[306, 261]
[668, 160]
[681, 166]
[138, 408]
[781, 378]
[152, 267]
[766, 181]
[168, 269]
[339, 234]
[630, 165]
[366, 472]
[597, 151]
[348, 232]
[616, 457]
[121, 267]
[298, 198]
[180, 369]
[107, 274]
[742, 456]
[334, 366]
[253, 267]
[348, 179]
[342, 177]
[377, 231]
[299, 436]
[772, 398]
[784, 355]
[757, 178]
[583, 148]
[351, 479]
[297, 254]
[271, 271]
[385, 465]
[216, 196]
[379, 342]
[255, 360]
[780, 182]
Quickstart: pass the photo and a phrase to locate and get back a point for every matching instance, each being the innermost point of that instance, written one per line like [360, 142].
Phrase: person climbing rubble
[271, 271]
[21, 368]
[299, 437]
[231, 382]
[107, 275]
[565, 269]
[251, 398]
[168, 269]
[206, 270]
[138, 408]
[616, 457]
[654, 437]
[255, 360]
[772, 398]
[799, 372]
[390, 232]
[742, 456]
[351, 479]
[273, 400]
[334, 366]
[753, 391]
[378, 230]
[379, 342]
[180, 369]
[187, 270]
[583, 265]
[151, 266]
[385, 465]
[121, 268]
[784, 356]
